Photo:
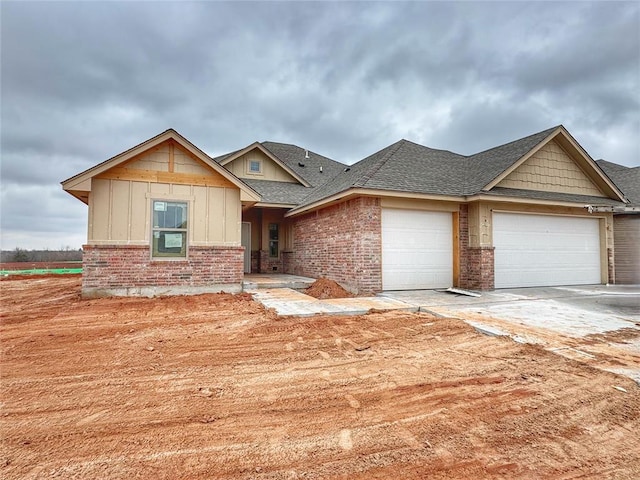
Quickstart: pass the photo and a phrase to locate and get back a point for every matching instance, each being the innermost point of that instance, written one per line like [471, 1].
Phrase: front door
[246, 243]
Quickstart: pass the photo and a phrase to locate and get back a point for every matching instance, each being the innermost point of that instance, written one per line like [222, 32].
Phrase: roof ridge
[431, 148]
[513, 141]
[370, 172]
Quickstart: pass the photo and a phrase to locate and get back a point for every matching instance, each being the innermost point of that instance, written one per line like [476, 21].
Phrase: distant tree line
[22, 255]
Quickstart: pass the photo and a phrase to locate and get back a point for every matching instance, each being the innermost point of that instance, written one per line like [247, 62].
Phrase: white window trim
[248, 167]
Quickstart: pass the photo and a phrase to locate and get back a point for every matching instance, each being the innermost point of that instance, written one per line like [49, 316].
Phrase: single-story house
[626, 222]
[164, 217]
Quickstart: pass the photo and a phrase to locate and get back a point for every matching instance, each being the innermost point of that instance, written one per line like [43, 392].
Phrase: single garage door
[417, 249]
[545, 250]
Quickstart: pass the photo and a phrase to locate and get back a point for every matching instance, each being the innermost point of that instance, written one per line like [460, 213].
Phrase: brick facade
[270, 264]
[342, 242]
[476, 263]
[128, 270]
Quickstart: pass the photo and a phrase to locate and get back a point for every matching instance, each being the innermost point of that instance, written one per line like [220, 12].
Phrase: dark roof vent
[300, 164]
[347, 169]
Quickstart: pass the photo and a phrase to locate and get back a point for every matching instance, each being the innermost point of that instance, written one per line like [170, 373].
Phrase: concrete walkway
[289, 302]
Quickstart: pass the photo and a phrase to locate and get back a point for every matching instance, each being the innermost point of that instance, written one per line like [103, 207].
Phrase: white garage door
[545, 250]
[417, 249]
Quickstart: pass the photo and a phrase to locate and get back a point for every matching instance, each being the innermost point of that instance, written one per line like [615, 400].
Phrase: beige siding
[183, 163]
[414, 204]
[99, 209]
[627, 251]
[120, 211]
[200, 222]
[156, 159]
[551, 169]
[215, 232]
[140, 214]
[270, 169]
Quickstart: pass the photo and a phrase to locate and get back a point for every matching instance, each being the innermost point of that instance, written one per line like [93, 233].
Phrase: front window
[273, 240]
[169, 235]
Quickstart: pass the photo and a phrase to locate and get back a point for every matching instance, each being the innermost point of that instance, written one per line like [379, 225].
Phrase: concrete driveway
[599, 324]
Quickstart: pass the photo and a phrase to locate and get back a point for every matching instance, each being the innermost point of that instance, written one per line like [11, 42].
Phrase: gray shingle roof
[279, 192]
[484, 167]
[403, 167]
[408, 167]
[293, 156]
[626, 179]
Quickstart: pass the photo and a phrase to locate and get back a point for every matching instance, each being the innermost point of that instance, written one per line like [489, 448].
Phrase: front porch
[268, 240]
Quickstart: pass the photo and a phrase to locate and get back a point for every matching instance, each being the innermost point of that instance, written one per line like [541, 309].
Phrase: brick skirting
[128, 270]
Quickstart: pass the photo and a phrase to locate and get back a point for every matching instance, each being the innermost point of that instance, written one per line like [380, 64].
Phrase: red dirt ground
[212, 386]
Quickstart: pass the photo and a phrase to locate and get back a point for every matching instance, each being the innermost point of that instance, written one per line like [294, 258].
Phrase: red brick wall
[127, 269]
[270, 264]
[341, 242]
[476, 263]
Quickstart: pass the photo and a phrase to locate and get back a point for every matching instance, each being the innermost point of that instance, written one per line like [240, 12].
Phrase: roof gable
[568, 148]
[228, 159]
[149, 157]
[551, 169]
[269, 169]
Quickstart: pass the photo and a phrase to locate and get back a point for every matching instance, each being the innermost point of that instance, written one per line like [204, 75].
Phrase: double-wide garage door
[530, 250]
[545, 250]
[417, 249]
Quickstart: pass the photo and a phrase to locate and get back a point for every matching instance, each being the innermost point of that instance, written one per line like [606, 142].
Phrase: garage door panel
[544, 250]
[417, 250]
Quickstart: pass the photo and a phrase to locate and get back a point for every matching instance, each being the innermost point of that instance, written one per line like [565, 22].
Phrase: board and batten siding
[120, 212]
[626, 232]
[270, 169]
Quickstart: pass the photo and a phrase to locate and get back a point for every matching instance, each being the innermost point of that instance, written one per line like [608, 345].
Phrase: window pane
[169, 244]
[273, 248]
[273, 231]
[169, 214]
[254, 166]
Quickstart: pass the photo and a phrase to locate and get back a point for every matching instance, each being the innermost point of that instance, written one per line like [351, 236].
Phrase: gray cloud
[83, 81]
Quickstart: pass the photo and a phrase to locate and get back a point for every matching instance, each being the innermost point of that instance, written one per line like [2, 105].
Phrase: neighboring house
[166, 218]
[626, 222]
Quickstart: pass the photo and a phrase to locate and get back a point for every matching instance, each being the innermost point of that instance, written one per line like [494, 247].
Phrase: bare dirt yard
[213, 386]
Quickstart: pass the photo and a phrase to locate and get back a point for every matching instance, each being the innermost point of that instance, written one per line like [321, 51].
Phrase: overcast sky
[83, 81]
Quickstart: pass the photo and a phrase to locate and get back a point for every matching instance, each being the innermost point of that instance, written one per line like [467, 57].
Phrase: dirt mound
[324, 288]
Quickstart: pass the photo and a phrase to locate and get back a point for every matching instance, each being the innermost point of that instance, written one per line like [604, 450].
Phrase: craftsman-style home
[164, 217]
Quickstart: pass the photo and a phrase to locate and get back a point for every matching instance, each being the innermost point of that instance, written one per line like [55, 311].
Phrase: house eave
[170, 134]
[367, 192]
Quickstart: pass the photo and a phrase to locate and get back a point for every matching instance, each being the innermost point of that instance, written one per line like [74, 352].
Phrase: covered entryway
[545, 250]
[417, 249]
